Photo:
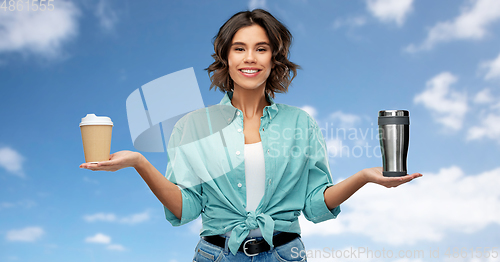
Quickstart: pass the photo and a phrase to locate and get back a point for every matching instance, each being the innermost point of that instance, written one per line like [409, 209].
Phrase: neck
[250, 102]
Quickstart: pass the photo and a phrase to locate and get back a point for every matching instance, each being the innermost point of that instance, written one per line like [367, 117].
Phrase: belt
[253, 247]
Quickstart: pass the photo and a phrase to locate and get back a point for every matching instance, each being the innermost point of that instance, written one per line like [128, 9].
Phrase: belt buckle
[245, 247]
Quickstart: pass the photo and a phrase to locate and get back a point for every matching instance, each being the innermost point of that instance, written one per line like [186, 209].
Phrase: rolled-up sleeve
[319, 178]
[180, 173]
[191, 204]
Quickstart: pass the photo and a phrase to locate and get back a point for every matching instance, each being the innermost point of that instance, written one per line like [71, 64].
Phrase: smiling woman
[249, 198]
[255, 34]
[249, 58]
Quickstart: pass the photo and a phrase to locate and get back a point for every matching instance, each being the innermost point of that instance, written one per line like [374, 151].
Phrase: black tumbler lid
[394, 117]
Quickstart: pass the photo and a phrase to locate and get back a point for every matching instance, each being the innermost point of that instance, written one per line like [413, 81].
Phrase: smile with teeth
[249, 71]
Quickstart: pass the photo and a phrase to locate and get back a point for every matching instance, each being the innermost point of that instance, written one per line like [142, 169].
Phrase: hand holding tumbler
[394, 136]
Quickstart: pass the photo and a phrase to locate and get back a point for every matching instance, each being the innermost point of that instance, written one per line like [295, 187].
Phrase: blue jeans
[290, 251]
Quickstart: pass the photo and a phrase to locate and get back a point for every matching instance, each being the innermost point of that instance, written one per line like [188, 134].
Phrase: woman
[250, 201]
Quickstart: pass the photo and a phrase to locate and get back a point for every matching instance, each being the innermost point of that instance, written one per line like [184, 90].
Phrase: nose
[249, 57]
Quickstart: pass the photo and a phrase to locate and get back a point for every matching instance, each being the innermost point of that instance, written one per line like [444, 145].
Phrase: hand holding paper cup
[96, 137]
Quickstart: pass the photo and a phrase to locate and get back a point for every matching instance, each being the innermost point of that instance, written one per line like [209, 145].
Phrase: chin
[251, 86]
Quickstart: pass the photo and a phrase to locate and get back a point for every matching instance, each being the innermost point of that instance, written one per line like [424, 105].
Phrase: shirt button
[238, 113]
[240, 185]
[237, 153]
[268, 151]
[239, 129]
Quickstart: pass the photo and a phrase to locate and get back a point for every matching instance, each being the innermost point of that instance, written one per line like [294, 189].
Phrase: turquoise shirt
[206, 160]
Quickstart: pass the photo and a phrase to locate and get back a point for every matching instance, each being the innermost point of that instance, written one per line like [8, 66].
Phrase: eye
[261, 49]
[238, 49]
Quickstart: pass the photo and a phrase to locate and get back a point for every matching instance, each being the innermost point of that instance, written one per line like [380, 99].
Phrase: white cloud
[344, 138]
[337, 119]
[115, 247]
[472, 23]
[493, 68]
[106, 15]
[436, 204]
[337, 148]
[135, 218]
[447, 106]
[488, 128]
[252, 4]
[12, 161]
[101, 238]
[110, 217]
[355, 21]
[390, 11]
[98, 238]
[343, 120]
[484, 97]
[310, 110]
[6, 205]
[22, 203]
[42, 33]
[195, 226]
[28, 234]
[13, 258]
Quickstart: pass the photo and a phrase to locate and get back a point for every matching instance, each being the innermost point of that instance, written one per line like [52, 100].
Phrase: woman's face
[249, 58]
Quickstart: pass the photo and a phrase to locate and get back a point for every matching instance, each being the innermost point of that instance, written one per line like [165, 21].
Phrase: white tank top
[255, 179]
[255, 174]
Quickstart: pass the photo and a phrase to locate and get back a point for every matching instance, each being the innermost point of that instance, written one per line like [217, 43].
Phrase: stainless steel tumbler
[394, 134]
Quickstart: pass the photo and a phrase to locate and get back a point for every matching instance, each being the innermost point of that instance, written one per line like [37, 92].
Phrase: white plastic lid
[93, 120]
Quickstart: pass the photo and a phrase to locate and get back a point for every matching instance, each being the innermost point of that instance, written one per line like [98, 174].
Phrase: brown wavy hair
[280, 39]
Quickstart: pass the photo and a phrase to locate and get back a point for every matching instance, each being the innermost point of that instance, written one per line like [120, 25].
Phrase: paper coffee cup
[96, 137]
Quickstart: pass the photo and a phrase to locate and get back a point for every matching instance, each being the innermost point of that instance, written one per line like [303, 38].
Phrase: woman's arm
[167, 192]
[337, 194]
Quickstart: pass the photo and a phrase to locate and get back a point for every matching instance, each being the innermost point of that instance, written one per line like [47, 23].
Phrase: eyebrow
[259, 43]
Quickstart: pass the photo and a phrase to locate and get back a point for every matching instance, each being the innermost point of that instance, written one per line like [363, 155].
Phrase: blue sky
[438, 59]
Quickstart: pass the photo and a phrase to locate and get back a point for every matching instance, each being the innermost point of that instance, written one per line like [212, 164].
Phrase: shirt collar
[271, 110]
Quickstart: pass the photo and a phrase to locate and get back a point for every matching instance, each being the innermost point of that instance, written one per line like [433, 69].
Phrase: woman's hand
[374, 175]
[117, 161]
[340, 192]
[167, 192]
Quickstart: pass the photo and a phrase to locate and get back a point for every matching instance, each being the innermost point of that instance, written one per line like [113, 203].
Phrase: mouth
[249, 72]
